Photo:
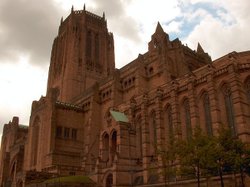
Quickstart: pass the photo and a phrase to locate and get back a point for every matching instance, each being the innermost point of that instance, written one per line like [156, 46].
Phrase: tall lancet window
[97, 56]
[229, 108]
[187, 119]
[207, 113]
[169, 125]
[88, 45]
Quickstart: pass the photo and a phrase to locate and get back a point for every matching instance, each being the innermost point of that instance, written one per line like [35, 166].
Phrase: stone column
[214, 104]
[145, 138]
[160, 134]
[194, 113]
[175, 110]
[237, 92]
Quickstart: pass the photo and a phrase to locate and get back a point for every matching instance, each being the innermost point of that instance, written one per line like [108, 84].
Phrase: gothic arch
[227, 106]
[107, 182]
[206, 117]
[168, 123]
[113, 136]
[105, 139]
[201, 93]
[186, 119]
[105, 146]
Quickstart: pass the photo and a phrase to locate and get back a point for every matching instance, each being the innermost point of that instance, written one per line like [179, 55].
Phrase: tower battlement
[86, 16]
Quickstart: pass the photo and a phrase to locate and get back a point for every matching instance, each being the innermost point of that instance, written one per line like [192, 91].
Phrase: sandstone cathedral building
[101, 122]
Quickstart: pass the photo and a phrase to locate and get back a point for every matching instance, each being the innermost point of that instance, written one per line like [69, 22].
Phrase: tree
[168, 157]
[203, 155]
[193, 155]
[228, 155]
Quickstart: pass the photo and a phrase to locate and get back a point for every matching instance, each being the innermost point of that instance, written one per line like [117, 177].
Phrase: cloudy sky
[28, 27]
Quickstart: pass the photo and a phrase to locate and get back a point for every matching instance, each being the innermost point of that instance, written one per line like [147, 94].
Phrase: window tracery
[229, 108]
[187, 119]
[207, 112]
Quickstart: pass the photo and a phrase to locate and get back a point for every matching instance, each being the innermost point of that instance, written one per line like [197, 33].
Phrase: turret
[200, 49]
[159, 39]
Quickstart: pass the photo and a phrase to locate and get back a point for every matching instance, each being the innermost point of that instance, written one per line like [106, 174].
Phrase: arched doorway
[109, 180]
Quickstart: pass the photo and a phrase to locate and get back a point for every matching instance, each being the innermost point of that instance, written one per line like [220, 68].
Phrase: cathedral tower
[82, 54]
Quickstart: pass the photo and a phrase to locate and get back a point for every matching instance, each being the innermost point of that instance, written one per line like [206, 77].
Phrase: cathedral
[103, 123]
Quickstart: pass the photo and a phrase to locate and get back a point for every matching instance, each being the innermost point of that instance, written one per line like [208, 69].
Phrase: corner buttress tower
[82, 54]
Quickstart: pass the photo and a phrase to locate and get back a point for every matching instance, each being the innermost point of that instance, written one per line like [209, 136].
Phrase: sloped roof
[119, 116]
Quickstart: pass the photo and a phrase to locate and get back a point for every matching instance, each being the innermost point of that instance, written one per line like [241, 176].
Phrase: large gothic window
[229, 108]
[207, 113]
[187, 118]
[169, 124]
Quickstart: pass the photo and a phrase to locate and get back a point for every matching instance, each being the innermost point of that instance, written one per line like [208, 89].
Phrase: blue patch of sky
[189, 24]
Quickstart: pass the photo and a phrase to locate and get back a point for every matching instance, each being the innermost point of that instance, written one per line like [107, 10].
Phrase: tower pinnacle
[159, 28]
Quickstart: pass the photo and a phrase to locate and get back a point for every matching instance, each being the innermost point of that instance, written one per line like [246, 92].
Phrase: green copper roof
[119, 116]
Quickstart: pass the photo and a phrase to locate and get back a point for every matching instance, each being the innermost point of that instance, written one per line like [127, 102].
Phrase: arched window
[229, 108]
[105, 144]
[109, 180]
[153, 132]
[187, 119]
[113, 144]
[169, 124]
[207, 113]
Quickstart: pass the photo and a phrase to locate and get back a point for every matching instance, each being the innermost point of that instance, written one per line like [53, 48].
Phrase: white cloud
[223, 34]
[20, 84]
[174, 26]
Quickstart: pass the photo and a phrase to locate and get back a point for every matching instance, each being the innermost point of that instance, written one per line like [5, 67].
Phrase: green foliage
[193, 153]
[168, 157]
[203, 155]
